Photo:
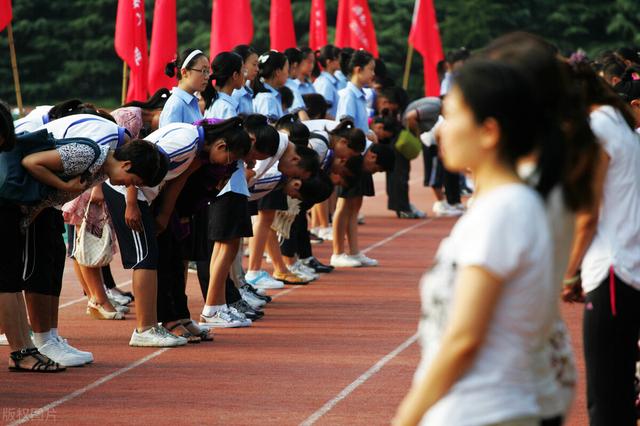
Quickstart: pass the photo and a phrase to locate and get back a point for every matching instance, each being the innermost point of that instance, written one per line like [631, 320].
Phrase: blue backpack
[17, 186]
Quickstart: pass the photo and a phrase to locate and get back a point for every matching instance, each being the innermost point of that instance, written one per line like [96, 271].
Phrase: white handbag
[91, 250]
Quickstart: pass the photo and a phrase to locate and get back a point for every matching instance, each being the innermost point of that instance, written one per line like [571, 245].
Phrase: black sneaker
[244, 308]
[252, 289]
[317, 266]
[314, 239]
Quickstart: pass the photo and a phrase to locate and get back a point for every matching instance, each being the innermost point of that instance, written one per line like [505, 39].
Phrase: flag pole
[124, 83]
[407, 67]
[14, 69]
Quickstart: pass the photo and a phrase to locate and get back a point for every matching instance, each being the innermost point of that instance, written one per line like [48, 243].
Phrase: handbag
[91, 250]
[408, 145]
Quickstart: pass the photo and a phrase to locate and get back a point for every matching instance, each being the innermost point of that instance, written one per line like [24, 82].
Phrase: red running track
[340, 351]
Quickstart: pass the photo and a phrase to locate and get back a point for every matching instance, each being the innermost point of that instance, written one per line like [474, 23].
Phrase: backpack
[17, 186]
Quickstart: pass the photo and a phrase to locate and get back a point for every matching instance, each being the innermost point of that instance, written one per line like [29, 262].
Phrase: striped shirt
[98, 129]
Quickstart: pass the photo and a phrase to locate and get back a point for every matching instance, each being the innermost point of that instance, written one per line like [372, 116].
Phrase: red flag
[342, 24]
[281, 29]
[318, 25]
[425, 38]
[355, 26]
[6, 14]
[231, 25]
[164, 44]
[131, 46]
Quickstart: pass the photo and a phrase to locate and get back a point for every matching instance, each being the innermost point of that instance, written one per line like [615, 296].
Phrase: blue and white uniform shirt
[244, 97]
[34, 120]
[298, 103]
[181, 107]
[327, 85]
[100, 130]
[223, 108]
[353, 103]
[268, 103]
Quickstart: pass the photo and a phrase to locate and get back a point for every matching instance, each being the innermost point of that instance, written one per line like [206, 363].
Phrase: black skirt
[363, 188]
[229, 218]
[275, 200]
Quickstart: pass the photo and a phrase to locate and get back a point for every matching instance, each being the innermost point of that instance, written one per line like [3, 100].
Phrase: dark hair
[299, 134]
[309, 161]
[224, 65]
[286, 121]
[173, 68]
[354, 166]
[287, 97]
[385, 156]
[294, 55]
[396, 95]
[268, 64]
[316, 105]
[567, 147]
[356, 139]
[267, 138]
[76, 106]
[233, 133]
[614, 68]
[361, 58]
[317, 188]
[7, 130]
[345, 57]
[156, 101]
[327, 53]
[244, 50]
[147, 161]
[461, 54]
[629, 54]
[629, 90]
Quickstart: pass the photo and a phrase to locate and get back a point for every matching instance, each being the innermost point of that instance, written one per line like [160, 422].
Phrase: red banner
[231, 25]
[281, 29]
[164, 44]
[355, 26]
[318, 25]
[425, 38]
[6, 14]
[131, 46]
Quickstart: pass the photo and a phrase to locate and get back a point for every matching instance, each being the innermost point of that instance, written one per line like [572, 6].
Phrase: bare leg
[220, 265]
[438, 193]
[13, 319]
[352, 225]
[320, 215]
[273, 248]
[85, 287]
[260, 234]
[340, 221]
[93, 280]
[39, 308]
[145, 288]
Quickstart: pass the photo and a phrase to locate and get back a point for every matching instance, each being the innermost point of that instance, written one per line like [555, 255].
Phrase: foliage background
[65, 47]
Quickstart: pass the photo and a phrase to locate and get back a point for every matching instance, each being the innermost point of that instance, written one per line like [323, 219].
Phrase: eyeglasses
[206, 72]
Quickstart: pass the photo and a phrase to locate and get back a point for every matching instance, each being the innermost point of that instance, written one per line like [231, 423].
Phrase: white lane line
[37, 414]
[84, 298]
[359, 381]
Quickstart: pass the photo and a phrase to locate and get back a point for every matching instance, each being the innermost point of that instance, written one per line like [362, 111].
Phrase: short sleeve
[76, 158]
[500, 240]
[170, 113]
[346, 107]
[605, 128]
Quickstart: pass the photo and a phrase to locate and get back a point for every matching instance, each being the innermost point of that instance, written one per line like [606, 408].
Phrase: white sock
[39, 339]
[210, 310]
[54, 333]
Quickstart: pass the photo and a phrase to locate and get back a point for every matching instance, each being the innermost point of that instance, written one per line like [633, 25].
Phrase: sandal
[203, 334]
[43, 364]
[179, 330]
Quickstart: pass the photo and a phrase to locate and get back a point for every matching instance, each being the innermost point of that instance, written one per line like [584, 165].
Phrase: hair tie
[264, 57]
[189, 57]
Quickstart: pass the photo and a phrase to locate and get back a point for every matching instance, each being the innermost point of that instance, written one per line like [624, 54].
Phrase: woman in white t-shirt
[484, 303]
[606, 258]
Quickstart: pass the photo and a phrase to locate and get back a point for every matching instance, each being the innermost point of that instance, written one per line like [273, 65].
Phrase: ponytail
[223, 67]
[231, 131]
[360, 58]
[173, 68]
[356, 139]
[268, 64]
[327, 53]
[156, 101]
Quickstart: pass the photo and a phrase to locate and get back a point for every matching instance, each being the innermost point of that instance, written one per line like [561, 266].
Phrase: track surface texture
[340, 351]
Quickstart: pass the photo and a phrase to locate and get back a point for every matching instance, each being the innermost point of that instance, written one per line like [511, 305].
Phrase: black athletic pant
[172, 299]
[398, 185]
[610, 351]
[107, 277]
[231, 292]
[299, 241]
[451, 183]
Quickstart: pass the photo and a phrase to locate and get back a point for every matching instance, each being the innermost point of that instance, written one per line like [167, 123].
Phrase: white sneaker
[444, 209]
[62, 354]
[361, 219]
[157, 337]
[263, 281]
[344, 261]
[224, 318]
[419, 213]
[460, 207]
[120, 299]
[303, 271]
[325, 233]
[3, 340]
[251, 299]
[364, 260]
[87, 355]
[240, 316]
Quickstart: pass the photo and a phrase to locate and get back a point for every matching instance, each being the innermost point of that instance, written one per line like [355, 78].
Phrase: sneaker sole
[154, 345]
[210, 326]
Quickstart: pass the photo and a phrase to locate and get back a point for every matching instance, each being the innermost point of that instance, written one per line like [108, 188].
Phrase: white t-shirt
[506, 232]
[263, 166]
[98, 129]
[181, 143]
[35, 119]
[617, 238]
[321, 125]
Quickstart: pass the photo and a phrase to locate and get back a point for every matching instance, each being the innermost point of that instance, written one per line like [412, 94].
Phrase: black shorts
[44, 254]
[363, 188]
[12, 239]
[138, 250]
[275, 200]
[229, 218]
[433, 167]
